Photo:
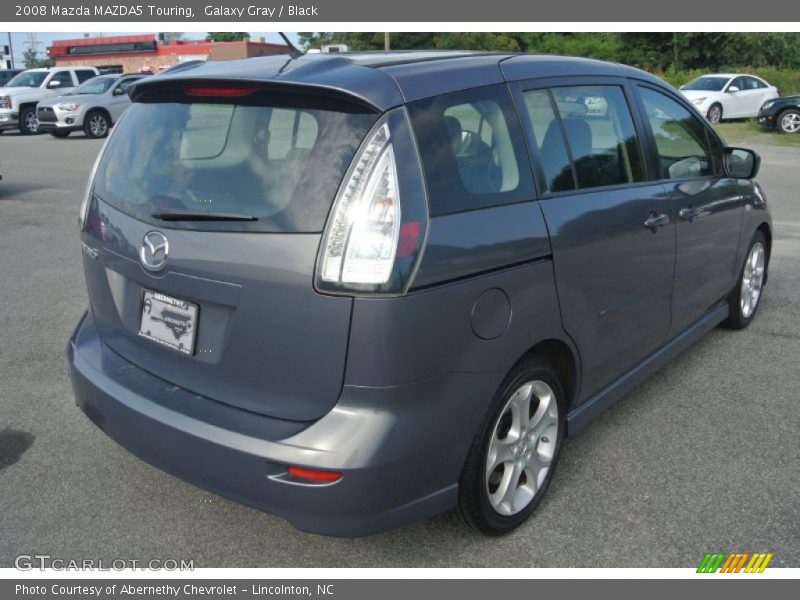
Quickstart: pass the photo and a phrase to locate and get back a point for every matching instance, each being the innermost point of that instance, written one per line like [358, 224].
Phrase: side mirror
[54, 84]
[741, 163]
[732, 89]
[118, 92]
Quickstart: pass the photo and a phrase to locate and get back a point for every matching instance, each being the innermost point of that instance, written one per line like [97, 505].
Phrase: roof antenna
[293, 51]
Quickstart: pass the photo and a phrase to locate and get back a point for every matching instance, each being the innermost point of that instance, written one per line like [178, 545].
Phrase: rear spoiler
[333, 79]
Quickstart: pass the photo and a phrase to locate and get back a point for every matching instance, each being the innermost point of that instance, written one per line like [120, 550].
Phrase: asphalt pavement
[703, 457]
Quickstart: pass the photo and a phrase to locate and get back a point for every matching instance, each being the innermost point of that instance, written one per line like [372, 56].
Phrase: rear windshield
[280, 165]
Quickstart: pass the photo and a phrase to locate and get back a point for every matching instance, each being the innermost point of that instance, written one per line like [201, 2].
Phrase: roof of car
[382, 80]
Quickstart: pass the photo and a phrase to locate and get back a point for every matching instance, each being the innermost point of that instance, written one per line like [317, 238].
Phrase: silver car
[93, 107]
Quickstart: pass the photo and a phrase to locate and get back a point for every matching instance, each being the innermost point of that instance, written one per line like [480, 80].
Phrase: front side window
[471, 149]
[125, 83]
[680, 137]
[600, 135]
[65, 77]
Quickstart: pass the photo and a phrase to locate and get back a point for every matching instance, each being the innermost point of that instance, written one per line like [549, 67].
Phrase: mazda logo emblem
[155, 248]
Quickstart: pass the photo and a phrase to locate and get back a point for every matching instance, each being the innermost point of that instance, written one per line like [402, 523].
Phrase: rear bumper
[400, 449]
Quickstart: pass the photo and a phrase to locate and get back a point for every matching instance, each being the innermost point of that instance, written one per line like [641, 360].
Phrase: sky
[46, 39]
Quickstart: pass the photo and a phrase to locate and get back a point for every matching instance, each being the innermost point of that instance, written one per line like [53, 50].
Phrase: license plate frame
[169, 321]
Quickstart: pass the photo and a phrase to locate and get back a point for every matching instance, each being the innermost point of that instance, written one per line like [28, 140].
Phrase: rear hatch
[201, 237]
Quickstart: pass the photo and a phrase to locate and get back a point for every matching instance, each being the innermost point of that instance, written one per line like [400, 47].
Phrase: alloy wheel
[98, 125]
[31, 122]
[752, 280]
[790, 122]
[522, 447]
[715, 114]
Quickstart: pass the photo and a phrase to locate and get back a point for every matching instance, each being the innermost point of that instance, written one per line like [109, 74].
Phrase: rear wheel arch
[105, 113]
[564, 360]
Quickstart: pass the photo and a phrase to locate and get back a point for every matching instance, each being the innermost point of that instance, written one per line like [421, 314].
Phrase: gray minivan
[360, 290]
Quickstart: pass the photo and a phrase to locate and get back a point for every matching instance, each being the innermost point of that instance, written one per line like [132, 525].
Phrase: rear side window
[84, 74]
[471, 149]
[600, 135]
[280, 165]
[680, 138]
[550, 141]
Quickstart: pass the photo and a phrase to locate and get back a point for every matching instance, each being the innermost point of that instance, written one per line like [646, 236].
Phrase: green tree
[606, 46]
[228, 36]
[32, 61]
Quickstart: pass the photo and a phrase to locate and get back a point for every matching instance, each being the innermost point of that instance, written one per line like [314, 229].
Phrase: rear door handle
[654, 221]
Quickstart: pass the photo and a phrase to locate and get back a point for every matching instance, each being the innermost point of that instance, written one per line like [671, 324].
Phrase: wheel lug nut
[545, 439]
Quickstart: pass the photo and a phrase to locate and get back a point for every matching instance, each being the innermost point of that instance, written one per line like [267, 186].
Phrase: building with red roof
[150, 53]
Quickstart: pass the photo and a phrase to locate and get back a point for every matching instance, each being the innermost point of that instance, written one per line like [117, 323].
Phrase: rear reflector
[409, 236]
[314, 474]
[210, 89]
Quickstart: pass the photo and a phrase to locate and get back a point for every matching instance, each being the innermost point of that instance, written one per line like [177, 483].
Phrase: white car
[728, 95]
[18, 99]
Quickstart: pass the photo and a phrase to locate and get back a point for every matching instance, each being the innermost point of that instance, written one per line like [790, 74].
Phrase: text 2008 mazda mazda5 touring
[360, 290]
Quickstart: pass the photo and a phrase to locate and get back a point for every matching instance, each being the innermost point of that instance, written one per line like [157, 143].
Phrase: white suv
[19, 98]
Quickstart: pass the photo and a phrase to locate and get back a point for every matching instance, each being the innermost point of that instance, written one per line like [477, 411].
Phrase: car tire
[714, 114]
[496, 496]
[28, 123]
[745, 297]
[60, 134]
[96, 125]
[789, 121]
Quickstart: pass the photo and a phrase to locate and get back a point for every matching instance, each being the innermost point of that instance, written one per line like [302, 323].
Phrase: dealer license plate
[169, 321]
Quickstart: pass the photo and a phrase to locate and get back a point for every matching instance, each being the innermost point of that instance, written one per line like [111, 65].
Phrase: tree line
[652, 51]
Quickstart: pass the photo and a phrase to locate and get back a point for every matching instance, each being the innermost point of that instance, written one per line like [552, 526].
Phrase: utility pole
[386, 42]
[10, 50]
[32, 41]
[675, 55]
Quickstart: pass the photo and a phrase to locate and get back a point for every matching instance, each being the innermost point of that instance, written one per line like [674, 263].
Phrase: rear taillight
[5, 101]
[87, 194]
[377, 225]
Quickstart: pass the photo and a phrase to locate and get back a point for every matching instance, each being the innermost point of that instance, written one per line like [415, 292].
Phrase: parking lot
[703, 457]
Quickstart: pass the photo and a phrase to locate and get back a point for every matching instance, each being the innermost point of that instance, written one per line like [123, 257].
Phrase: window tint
[84, 74]
[751, 83]
[65, 77]
[280, 165]
[471, 150]
[96, 85]
[550, 141]
[125, 83]
[600, 135]
[680, 137]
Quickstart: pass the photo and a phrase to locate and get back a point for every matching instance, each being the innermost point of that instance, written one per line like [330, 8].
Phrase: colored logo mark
[734, 562]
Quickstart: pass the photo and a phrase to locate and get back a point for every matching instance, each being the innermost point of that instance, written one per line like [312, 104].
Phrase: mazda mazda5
[360, 290]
